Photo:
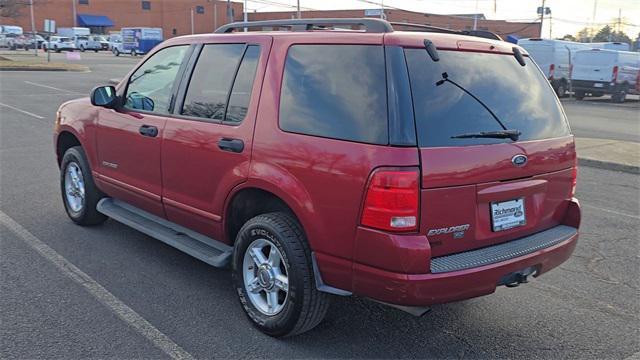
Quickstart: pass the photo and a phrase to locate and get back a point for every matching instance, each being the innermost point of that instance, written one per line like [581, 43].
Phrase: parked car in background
[59, 43]
[31, 41]
[139, 41]
[597, 72]
[554, 57]
[88, 42]
[104, 43]
[412, 168]
[12, 41]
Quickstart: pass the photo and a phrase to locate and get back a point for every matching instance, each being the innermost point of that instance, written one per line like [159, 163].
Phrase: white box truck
[82, 38]
[597, 72]
[554, 57]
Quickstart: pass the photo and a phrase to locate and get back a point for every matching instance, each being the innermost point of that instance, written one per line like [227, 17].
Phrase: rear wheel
[561, 89]
[619, 96]
[79, 192]
[116, 52]
[274, 278]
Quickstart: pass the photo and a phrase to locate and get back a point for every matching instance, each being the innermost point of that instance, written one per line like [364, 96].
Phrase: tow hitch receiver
[518, 277]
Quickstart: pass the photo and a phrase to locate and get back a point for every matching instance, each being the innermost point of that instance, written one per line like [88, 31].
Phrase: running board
[203, 248]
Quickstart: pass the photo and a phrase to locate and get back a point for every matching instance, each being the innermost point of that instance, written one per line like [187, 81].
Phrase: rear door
[482, 191]
[594, 65]
[207, 143]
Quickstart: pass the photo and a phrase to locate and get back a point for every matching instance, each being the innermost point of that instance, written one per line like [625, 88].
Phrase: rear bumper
[588, 86]
[436, 288]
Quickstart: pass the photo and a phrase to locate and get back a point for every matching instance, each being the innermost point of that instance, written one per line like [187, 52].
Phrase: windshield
[519, 96]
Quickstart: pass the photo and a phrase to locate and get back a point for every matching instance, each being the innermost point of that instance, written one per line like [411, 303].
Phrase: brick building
[456, 22]
[174, 16]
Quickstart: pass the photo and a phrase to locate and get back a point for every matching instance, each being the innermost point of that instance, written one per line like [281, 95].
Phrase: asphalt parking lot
[587, 308]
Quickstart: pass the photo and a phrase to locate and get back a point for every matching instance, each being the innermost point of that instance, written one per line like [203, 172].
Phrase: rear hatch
[483, 191]
[593, 65]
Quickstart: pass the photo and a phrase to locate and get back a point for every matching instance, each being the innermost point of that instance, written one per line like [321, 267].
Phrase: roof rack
[370, 25]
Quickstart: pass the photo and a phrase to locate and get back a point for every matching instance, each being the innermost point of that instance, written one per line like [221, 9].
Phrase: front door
[129, 138]
[207, 143]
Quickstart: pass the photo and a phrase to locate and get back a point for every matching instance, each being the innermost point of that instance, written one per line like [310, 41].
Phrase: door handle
[232, 145]
[148, 130]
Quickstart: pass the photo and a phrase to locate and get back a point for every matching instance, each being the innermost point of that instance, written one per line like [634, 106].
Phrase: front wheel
[79, 192]
[274, 278]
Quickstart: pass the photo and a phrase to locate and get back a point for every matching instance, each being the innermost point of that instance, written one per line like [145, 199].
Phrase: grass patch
[10, 65]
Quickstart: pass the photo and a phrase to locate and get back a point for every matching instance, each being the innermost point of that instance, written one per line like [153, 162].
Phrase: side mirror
[104, 96]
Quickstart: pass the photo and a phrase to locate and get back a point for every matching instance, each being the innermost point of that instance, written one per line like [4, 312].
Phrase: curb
[631, 169]
[17, 68]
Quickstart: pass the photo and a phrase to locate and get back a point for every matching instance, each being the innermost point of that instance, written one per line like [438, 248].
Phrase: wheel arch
[246, 202]
[65, 140]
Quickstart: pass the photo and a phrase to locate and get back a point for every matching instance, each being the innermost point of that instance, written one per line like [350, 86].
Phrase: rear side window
[520, 97]
[335, 91]
[221, 69]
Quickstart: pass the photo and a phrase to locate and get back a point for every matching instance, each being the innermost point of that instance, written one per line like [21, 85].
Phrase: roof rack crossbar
[370, 25]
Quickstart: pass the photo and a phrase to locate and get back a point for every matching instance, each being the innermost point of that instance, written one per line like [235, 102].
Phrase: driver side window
[150, 87]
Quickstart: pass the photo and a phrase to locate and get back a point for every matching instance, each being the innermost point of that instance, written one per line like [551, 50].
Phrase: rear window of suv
[520, 97]
[335, 91]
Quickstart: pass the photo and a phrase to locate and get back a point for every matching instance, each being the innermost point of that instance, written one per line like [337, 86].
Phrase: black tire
[561, 89]
[579, 95]
[95, 50]
[305, 306]
[88, 214]
[619, 96]
[116, 52]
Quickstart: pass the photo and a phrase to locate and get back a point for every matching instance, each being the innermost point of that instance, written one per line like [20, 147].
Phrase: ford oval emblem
[519, 160]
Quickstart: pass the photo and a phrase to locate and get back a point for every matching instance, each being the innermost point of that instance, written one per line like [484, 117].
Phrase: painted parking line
[49, 87]
[612, 211]
[22, 111]
[124, 312]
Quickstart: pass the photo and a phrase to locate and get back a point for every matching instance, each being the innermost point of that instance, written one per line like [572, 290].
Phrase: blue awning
[94, 20]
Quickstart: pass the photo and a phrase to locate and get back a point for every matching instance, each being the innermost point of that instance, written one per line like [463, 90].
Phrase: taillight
[391, 202]
[574, 180]
[615, 74]
[552, 70]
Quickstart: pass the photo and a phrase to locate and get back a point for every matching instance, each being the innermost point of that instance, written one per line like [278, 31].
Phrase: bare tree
[13, 8]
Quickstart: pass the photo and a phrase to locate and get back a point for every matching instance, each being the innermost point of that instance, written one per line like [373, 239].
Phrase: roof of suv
[375, 30]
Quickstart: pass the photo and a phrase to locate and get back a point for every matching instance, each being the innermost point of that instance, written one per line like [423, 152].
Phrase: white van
[611, 45]
[554, 57]
[11, 29]
[597, 72]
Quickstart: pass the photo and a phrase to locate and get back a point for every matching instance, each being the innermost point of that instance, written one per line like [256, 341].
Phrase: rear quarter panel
[322, 180]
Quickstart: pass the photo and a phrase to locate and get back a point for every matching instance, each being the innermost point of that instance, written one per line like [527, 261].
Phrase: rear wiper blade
[504, 134]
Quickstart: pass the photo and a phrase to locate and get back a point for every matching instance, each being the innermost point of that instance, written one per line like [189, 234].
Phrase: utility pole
[192, 25]
[33, 30]
[475, 17]
[298, 10]
[541, 18]
[75, 16]
[215, 15]
[382, 9]
[593, 19]
[619, 20]
[229, 12]
[246, 16]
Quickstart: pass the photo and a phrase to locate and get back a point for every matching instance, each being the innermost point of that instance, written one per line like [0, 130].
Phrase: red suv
[339, 157]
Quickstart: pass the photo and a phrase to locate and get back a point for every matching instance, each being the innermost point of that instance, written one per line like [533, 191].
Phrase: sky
[567, 16]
